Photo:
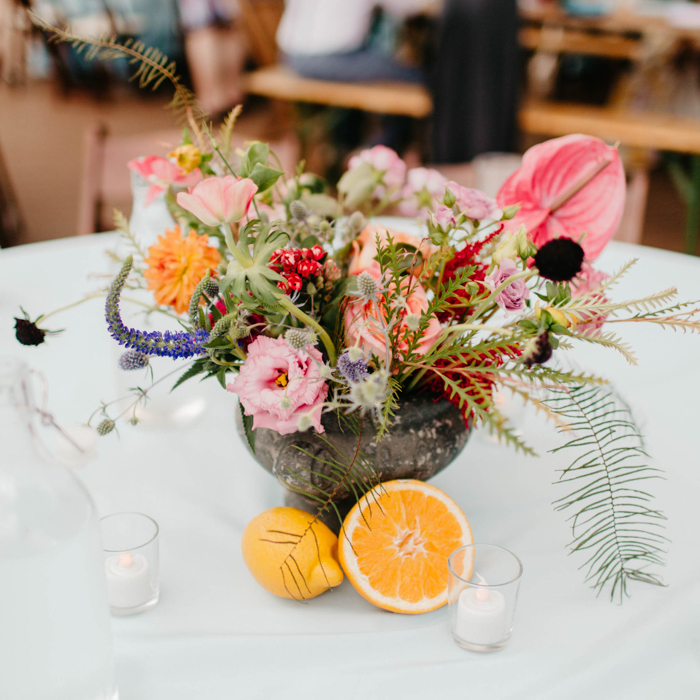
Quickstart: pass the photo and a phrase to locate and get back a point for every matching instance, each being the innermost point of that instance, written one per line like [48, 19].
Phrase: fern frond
[152, 66]
[609, 340]
[356, 474]
[612, 521]
[121, 224]
[682, 321]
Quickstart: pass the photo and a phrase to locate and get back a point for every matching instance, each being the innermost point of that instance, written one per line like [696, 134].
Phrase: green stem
[70, 306]
[97, 295]
[287, 304]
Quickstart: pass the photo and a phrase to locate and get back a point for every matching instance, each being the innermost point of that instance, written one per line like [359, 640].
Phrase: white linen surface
[217, 635]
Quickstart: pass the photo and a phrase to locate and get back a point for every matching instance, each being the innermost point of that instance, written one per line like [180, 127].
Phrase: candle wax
[128, 580]
[481, 616]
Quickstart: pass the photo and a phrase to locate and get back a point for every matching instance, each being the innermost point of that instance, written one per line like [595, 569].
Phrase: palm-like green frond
[152, 66]
[613, 520]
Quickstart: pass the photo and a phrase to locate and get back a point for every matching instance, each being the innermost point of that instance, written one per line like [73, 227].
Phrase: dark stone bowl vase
[426, 436]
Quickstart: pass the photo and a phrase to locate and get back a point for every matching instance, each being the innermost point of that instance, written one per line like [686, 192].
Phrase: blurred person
[475, 79]
[215, 52]
[329, 39]
[334, 40]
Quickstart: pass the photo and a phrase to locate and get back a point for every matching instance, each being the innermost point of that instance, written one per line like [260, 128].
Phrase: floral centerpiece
[327, 323]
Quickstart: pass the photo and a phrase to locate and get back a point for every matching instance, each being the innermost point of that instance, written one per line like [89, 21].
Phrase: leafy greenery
[613, 520]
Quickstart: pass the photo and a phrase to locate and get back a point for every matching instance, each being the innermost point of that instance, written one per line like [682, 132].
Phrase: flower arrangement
[299, 301]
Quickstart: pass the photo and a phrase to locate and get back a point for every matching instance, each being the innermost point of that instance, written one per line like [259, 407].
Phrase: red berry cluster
[297, 265]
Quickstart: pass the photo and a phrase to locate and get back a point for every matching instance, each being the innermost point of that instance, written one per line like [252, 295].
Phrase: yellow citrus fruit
[289, 556]
[395, 544]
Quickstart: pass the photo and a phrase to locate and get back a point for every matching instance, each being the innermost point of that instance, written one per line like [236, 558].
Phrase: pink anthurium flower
[219, 200]
[573, 186]
[161, 173]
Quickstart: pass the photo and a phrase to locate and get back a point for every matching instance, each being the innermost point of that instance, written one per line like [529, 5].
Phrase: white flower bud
[305, 422]
[412, 322]
[355, 354]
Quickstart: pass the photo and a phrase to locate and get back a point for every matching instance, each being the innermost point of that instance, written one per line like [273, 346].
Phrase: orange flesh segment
[404, 553]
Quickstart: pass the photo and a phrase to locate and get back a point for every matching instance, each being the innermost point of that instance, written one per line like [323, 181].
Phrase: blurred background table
[217, 635]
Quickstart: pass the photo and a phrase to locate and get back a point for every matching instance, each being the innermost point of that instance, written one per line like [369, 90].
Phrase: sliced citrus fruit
[395, 544]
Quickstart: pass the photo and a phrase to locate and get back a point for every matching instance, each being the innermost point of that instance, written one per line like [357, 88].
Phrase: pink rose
[385, 161]
[219, 200]
[512, 298]
[364, 249]
[474, 203]
[423, 187]
[277, 385]
[161, 173]
[362, 325]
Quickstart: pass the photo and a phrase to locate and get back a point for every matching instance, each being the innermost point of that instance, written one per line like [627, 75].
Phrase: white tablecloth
[217, 635]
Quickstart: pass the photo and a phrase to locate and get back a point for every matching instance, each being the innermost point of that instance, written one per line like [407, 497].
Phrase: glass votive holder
[130, 547]
[483, 582]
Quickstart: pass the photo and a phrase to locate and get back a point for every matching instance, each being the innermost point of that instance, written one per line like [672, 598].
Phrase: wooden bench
[276, 81]
[281, 83]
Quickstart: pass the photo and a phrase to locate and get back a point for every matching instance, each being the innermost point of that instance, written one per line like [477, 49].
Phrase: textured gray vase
[426, 436]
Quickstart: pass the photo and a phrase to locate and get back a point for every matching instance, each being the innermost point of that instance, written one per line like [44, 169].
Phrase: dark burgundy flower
[539, 352]
[559, 260]
[28, 333]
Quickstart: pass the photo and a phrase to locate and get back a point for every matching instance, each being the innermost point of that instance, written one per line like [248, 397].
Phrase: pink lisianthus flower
[423, 187]
[277, 385]
[588, 280]
[219, 200]
[512, 298]
[474, 203]
[444, 218]
[386, 161]
[362, 325]
[161, 173]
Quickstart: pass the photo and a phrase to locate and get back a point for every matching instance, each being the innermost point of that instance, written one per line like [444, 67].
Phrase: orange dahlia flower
[176, 265]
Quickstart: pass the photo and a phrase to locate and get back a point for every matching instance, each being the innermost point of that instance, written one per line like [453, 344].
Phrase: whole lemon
[289, 556]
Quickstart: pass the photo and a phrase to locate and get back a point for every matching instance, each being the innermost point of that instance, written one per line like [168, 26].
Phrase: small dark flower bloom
[133, 359]
[28, 333]
[559, 260]
[539, 351]
[352, 371]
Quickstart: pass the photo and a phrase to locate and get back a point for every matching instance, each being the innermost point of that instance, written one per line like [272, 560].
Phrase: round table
[217, 635]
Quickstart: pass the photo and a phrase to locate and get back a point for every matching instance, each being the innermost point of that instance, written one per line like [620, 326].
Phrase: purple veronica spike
[168, 344]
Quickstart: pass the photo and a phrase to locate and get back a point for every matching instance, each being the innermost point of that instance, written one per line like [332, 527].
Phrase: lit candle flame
[482, 594]
[126, 560]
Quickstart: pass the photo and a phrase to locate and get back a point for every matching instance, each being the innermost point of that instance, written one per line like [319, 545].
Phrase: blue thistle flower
[133, 359]
[352, 371]
[167, 344]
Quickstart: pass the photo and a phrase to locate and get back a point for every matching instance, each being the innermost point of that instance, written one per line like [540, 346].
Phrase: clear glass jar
[55, 630]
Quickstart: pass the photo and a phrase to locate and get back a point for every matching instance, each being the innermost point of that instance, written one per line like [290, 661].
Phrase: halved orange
[395, 544]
